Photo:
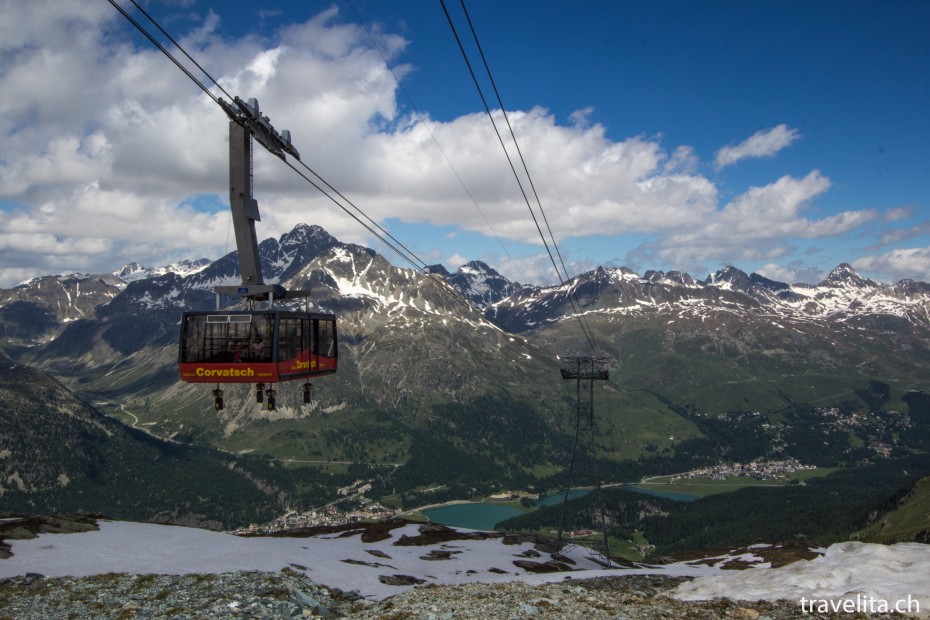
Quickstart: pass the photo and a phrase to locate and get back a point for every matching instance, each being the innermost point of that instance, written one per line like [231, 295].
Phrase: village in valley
[363, 509]
[760, 470]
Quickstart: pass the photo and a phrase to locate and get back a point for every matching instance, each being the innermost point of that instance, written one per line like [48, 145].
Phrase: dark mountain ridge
[58, 454]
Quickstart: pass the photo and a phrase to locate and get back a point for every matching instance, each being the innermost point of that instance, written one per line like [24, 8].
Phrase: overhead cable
[178, 45]
[164, 51]
[582, 320]
[432, 136]
[405, 253]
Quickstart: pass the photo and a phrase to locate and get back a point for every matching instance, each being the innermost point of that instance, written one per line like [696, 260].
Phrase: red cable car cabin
[256, 347]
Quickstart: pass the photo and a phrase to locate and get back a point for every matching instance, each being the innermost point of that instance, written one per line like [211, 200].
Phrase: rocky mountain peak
[844, 275]
[730, 277]
[438, 269]
[311, 234]
[477, 267]
[127, 272]
[480, 283]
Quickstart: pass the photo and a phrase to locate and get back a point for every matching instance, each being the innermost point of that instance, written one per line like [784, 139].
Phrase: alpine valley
[438, 399]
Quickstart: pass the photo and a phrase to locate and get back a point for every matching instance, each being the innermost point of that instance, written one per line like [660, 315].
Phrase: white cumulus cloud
[763, 143]
[758, 224]
[898, 264]
[107, 147]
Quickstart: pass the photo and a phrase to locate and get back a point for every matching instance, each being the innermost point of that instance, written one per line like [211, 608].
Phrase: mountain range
[467, 371]
[408, 343]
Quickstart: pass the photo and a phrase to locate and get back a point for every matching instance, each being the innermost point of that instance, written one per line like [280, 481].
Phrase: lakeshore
[485, 514]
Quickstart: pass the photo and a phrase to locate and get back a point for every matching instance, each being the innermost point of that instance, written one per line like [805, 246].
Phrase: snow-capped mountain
[35, 310]
[843, 295]
[134, 271]
[408, 339]
[405, 337]
[479, 283]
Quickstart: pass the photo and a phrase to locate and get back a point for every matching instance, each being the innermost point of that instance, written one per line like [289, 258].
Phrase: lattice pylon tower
[585, 371]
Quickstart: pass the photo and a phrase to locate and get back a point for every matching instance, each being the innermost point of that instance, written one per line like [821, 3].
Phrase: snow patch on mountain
[860, 573]
[846, 571]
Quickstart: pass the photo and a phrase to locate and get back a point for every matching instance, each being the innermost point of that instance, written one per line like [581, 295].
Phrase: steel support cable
[500, 103]
[412, 259]
[164, 51]
[498, 133]
[408, 255]
[178, 45]
[589, 334]
[581, 319]
[201, 85]
[422, 268]
[432, 136]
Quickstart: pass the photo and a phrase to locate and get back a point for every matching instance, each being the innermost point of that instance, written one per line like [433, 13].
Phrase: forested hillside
[59, 455]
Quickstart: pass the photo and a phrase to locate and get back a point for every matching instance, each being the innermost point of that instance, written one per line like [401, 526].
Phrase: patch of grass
[624, 549]
[628, 422]
[143, 581]
[417, 517]
[704, 487]
[807, 474]
[908, 520]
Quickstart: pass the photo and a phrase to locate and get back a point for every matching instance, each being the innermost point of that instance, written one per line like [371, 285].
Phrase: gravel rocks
[608, 598]
[291, 595]
[253, 595]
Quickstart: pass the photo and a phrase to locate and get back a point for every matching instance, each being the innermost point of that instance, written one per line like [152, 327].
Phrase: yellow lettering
[225, 372]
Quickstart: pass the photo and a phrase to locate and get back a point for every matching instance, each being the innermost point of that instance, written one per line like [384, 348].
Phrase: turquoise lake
[478, 516]
[472, 516]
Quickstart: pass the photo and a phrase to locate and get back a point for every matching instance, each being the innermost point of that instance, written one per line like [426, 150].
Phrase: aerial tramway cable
[395, 245]
[583, 416]
[582, 320]
[425, 125]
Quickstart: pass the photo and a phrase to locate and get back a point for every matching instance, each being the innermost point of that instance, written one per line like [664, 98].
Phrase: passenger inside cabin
[258, 349]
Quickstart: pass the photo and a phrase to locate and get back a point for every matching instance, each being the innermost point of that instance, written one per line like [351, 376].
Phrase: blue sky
[779, 137]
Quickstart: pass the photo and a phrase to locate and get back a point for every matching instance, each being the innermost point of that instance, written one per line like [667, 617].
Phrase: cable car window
[260, 338]
[215, 338]
[192, 344]
[224, 338]
[291, 336]
[327, 338]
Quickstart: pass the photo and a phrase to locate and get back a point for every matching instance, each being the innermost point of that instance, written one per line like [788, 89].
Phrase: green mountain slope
[59, 455]
[908, 520]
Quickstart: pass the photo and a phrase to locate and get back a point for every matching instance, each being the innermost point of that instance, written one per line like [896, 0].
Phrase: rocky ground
[289, 594]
